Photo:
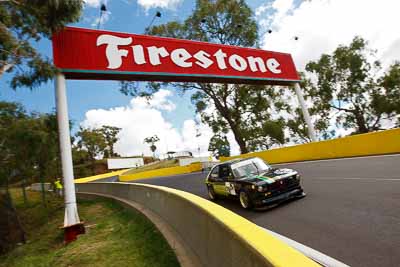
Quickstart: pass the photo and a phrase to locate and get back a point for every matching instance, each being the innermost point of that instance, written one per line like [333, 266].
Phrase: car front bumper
[294, 193]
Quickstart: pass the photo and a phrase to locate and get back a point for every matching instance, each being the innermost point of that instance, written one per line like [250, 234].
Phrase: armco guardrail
[377, 143]
[38, 187]
[215, 235]
[161, 172]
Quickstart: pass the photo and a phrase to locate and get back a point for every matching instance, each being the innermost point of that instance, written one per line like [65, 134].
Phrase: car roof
[232, 161]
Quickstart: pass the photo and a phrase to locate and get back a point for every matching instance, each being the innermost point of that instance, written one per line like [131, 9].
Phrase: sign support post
[72, 224]
[306, 115]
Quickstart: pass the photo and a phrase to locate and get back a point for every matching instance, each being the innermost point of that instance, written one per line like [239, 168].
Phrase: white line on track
[325, 160]
[354, 178]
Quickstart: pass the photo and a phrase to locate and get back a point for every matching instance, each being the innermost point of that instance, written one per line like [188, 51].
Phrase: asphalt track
[351, 212]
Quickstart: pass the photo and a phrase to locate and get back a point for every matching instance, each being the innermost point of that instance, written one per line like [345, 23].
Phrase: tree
[151, 141]
[347, 87]
[93, 141]
[237, 107]
[388, 98]
[93, 144]
[29, 151]
[219, 146]
[23, 22]
[52, 152]
[11, 231]
[110, 136]
[34, 143]
[9, 114]
[27, 137]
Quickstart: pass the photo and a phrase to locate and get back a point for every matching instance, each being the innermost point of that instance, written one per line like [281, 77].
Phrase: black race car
[254, 182]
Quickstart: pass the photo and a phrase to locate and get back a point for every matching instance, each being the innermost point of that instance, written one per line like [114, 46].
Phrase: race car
[253, 182]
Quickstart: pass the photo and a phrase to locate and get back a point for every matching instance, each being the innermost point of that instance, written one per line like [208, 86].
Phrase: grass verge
[114, 236]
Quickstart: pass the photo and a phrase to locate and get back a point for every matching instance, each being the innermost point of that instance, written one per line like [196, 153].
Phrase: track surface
[351, 212]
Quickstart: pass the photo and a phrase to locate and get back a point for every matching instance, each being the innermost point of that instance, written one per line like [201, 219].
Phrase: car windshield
[262, 166]
[249, 167]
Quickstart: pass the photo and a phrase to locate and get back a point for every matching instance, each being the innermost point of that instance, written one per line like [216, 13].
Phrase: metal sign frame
[102, 55]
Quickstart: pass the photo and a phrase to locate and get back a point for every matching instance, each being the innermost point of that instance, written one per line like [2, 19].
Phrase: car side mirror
[213, 175]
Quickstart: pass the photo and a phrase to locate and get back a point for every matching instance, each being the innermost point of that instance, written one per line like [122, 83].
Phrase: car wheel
[245, 201]
[211, 193]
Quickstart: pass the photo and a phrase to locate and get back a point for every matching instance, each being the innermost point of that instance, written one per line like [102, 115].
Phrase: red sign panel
[92, 54]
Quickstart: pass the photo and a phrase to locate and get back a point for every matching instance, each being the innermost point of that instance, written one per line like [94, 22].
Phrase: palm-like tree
[151, 141]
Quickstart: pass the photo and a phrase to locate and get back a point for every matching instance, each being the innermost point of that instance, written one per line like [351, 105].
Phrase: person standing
[59, 187]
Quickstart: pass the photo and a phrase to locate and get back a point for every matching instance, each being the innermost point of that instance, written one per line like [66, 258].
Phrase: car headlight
[253, 187]
[260, 189]
[298, 177]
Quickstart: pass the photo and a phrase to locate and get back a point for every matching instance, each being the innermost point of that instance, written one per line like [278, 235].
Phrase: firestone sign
[92, 54]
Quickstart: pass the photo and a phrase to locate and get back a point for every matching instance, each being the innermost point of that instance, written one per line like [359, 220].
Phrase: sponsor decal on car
[269, 180]
[230, 188]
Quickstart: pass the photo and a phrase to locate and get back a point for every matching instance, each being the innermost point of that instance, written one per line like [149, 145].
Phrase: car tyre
[211, 193]
[245, 200]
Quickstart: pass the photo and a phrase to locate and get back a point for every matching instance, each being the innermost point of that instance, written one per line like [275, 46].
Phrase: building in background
[124, 163]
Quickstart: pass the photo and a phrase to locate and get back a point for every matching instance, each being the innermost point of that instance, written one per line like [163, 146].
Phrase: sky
[320, 25]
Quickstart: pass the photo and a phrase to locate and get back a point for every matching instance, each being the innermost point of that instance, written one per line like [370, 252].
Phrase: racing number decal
[230, 188]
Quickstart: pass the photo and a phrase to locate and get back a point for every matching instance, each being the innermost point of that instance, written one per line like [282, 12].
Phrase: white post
[71, 211]
[306, 115]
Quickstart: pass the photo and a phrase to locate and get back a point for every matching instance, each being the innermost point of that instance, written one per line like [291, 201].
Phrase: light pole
[198, 134]
[102, 9]
[157, 15]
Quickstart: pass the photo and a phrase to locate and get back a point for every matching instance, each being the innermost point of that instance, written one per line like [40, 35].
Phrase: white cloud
[94, 20]
[159, 101]
[192, 142]
[261, 9]
[322, 25]
[143, 118]
[94, 3]
[103, 19]
[282, 9]
[167, 4]
[212, 111]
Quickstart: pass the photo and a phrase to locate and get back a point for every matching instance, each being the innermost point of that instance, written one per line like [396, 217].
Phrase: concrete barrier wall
[377, 143]
[99, 176]
[194, 167]
[162, 172]
[217, 236]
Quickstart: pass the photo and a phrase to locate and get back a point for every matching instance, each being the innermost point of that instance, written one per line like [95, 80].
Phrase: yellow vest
[58, 184]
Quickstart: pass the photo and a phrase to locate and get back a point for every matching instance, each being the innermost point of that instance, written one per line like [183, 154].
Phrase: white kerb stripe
[313, 254]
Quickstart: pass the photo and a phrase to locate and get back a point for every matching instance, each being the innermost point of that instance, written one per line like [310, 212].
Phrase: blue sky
[125, 16]
[85, 95]
[320, 25]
